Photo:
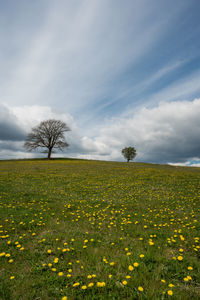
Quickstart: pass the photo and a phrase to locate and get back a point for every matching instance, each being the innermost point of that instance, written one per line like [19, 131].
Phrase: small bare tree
[49, 134]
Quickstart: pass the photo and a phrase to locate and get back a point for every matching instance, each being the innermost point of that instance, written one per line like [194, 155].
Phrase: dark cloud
[167, 133]
[10, 129]
[11, 146]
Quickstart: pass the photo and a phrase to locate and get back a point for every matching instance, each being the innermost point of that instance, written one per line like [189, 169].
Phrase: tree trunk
[128, 159]
[49, 153]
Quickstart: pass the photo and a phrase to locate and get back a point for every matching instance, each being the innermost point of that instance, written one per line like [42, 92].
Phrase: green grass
[97, 218]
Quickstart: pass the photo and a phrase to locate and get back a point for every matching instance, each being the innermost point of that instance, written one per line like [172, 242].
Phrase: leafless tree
[49, 134]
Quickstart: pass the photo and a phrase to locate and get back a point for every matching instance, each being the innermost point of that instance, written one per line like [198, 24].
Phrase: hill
[98, 230]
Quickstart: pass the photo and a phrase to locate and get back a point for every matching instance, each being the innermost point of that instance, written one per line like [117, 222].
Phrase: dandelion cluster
[98, 228]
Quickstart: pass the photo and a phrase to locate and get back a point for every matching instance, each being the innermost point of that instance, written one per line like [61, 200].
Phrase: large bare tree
[48, 134]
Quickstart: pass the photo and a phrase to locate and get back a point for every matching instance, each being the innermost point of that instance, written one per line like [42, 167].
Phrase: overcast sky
[119, 73]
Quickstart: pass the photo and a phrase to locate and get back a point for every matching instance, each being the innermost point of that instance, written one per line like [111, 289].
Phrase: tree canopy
[48, 134]
[129, 153]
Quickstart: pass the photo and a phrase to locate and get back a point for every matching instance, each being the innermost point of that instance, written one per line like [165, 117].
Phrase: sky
[119, 73]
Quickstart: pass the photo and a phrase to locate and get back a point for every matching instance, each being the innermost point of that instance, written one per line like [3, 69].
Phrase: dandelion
[12, 277]
[151, 243]
[130, 268]
[84, 287]
[124, 282]
[76, 284]
[136, 264]
[180, 257]
[141, 255]
[60, 274]
[140, 288]
[64, 298]
[90, 284]
[190, 268]
[100, 284]
[170, 292]
[49, 251]
[163, 280]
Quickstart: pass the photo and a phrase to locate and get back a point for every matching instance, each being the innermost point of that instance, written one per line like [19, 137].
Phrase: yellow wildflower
[84, 287]
[170, 293]
[130, 268]
[136, 264]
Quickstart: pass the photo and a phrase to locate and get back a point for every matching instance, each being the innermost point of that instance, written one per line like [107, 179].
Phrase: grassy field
[75, 229]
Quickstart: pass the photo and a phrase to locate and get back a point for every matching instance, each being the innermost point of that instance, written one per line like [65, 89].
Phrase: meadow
[77, 229]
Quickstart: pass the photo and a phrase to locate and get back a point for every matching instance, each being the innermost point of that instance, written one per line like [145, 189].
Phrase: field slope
[98, 230]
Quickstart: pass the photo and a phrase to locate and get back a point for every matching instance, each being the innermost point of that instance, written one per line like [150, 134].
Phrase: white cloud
[18, 121]
[181, 89]
[166, 133]
[189, 163]
[71, 63]
[30, 116]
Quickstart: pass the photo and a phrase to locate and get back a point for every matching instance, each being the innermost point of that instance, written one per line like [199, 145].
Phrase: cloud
[167, 133]
[18, 121]
[102, 67]
[195, 162]
[30, 116]
[78, 51]
[10, 129]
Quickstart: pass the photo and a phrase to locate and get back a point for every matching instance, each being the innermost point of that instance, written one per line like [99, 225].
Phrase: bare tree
[49, 134]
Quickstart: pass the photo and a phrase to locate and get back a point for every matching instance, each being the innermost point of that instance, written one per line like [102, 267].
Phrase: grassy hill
[98, 230]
